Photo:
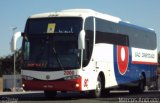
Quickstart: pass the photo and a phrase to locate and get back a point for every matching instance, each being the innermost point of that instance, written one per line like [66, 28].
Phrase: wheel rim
[98, 88]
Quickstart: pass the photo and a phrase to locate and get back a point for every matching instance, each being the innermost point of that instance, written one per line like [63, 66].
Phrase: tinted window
[117, 39]
[138, 37]
[89, 28]
[105, 34]
[60, 25]
[125, 34]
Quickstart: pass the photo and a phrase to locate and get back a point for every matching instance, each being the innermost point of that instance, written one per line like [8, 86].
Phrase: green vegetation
[6, 64]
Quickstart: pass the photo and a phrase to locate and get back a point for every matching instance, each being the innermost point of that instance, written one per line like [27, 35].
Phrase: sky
[14, 13]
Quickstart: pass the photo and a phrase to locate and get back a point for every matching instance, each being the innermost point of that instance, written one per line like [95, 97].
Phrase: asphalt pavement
[113, 97]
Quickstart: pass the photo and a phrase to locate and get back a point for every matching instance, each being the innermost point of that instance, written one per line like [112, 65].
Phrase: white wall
[8, 81]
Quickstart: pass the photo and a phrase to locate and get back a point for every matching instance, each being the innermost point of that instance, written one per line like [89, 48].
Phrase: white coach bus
[84, 50]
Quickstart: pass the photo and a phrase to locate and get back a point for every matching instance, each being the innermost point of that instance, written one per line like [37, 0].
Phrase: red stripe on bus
[148, 63]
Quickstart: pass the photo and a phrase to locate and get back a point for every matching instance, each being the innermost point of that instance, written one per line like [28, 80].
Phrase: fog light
[23, 85]
[77, 85]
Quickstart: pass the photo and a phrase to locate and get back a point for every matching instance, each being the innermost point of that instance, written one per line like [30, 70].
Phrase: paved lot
[114, 97]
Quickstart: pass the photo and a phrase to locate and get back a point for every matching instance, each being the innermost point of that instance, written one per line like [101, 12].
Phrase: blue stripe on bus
[134, 70]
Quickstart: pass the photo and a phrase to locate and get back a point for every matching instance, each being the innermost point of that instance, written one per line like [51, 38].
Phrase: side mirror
[81, 40]
[14, 41]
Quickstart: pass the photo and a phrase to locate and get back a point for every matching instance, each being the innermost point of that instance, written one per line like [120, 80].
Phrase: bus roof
[136, 26]
[87, 13]
[77, 13]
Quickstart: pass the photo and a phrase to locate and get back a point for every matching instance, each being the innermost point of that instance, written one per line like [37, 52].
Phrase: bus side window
[26, 53]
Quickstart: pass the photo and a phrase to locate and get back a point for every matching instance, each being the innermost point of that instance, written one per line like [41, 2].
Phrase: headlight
[72, 77]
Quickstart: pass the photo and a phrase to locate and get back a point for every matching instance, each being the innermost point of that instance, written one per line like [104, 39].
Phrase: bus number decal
[85, 82]
[68, 72]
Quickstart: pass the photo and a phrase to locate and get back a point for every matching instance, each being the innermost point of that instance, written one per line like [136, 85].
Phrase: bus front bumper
[53, 85]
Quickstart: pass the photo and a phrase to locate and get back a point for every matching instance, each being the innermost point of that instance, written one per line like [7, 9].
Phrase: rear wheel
[141, 84]
[140, 87]
[50, 94]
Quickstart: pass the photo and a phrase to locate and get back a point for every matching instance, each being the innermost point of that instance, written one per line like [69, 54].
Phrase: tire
[97, 93]
[50, 94]
[141, 84]
[140, 88]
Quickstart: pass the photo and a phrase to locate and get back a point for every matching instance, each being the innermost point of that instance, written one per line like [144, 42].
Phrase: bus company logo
[122, 59]
[47, 77]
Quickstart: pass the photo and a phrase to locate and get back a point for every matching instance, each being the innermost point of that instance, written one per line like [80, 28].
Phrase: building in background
[8, 82]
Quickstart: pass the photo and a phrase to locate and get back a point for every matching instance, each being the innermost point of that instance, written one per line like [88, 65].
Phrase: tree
[6, 63]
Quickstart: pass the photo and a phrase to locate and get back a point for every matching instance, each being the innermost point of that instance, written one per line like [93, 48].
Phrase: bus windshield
[54, 25]
[53, 51]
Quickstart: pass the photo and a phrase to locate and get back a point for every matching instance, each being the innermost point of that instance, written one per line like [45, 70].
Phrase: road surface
[113, 97]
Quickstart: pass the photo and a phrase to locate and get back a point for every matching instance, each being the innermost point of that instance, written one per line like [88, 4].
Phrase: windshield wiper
[57, 58]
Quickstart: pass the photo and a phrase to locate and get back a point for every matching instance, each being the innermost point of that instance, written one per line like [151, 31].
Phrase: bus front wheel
[98, 91]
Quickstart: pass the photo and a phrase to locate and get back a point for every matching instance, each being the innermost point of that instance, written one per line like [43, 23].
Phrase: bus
[86, 51]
